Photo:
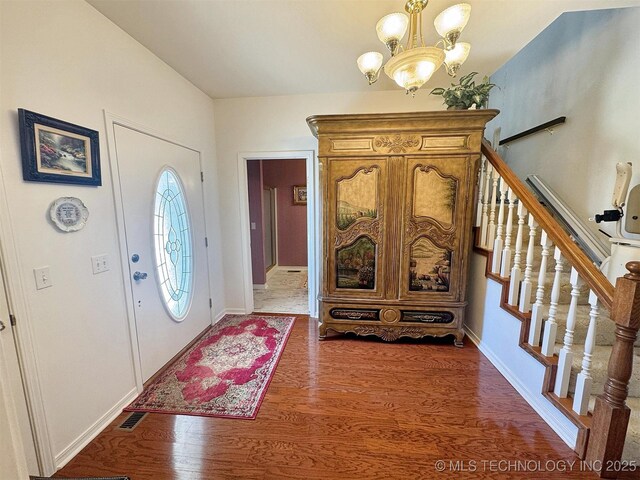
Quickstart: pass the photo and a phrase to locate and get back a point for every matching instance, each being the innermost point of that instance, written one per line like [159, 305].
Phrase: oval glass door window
[172, 244]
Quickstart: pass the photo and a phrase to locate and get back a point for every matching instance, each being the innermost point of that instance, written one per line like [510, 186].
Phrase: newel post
[611, 414]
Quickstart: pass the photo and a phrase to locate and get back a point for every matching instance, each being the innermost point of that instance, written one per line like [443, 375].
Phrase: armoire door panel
[429, 266]
[435, 199]
[355, 225]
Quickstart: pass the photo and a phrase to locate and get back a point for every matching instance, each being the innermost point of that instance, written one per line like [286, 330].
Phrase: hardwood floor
[346, 408]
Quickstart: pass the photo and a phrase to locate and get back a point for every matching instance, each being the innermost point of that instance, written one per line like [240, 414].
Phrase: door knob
[139, 276]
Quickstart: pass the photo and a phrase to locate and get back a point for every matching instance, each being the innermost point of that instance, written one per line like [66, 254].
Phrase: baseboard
[547, 411]
[234, 311]
[270, 272]
[288, 267]
[92, 432]
[260, 286]
[218, 316]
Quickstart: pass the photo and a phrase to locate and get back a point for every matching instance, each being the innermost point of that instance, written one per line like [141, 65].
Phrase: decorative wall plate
[69, 214]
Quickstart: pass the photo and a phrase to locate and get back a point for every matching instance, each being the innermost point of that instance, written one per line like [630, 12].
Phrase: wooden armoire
[398, 192]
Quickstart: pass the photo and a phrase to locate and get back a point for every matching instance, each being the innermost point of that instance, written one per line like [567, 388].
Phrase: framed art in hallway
[299, 194]
[55, 151]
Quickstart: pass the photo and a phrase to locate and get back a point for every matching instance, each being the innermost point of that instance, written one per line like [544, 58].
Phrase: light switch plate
[43, 277]
[100, 263]
[253, 225]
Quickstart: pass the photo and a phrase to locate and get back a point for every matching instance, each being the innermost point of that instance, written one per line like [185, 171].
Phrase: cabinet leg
[322, 331]
[458, 340]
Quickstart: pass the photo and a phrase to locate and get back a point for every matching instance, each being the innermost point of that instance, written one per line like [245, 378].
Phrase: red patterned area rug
[225, 374]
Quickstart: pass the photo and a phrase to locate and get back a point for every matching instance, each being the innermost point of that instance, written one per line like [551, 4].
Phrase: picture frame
[299, 194]
[55, 151]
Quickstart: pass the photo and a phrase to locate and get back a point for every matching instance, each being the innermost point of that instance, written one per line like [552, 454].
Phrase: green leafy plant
[465, 93]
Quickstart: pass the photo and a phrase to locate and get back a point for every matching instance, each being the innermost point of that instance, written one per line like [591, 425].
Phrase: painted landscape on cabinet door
[356, 265]
[430, 267]
[357, 197]
[434, 195]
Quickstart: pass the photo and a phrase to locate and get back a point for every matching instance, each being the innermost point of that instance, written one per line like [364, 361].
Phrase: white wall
[66, 60]
[584, 66]
[276, 124]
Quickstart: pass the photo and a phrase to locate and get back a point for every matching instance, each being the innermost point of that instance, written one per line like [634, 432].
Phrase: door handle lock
[2, 326]
[139, 276]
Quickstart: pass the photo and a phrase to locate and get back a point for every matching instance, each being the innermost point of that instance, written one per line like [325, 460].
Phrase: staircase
[565, 304]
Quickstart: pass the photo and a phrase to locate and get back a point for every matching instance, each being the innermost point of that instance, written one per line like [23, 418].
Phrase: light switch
[100, 263]
[253, 225]
[43, 277]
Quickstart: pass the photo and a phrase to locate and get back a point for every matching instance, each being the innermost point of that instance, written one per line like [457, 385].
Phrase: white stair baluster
[550, 326]
[483, 163]
[536, 311]
[505, 265]
[516, 271]
[491, 233]
[565, 358]
[484, 227]
[498, 243]
[525, 291]
[585, 381]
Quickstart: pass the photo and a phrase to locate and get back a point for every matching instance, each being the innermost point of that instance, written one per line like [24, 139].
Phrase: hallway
[287, 293]
[346, 408]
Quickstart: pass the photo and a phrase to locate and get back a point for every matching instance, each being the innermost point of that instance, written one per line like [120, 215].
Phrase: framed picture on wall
[55, 151]
[299, 194]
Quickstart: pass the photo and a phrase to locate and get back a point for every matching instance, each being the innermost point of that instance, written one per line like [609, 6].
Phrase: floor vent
[294, 271]
[132, 421]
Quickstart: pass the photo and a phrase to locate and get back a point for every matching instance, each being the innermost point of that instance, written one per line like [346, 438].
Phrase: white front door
[165, 233]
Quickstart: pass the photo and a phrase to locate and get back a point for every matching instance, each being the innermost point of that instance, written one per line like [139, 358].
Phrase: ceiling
[247, 48]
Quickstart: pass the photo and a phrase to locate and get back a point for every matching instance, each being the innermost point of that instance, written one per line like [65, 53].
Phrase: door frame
[313, 228]
[273, 204]
[16, 293]
[111, 121]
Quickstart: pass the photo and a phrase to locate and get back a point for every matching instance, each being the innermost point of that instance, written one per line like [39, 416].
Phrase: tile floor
[286, 293]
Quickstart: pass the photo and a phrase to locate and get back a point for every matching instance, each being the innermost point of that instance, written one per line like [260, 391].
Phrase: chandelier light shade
[391, 29]
[413, 68]
[450, 22]
[456, 57]
[369, 64]
[412, 65]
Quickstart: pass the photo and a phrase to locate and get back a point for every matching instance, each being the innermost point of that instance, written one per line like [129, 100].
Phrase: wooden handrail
[531, 131]
[574, 255]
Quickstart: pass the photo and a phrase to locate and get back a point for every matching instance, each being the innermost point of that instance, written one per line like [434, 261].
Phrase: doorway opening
[278, 230]
[280, 250]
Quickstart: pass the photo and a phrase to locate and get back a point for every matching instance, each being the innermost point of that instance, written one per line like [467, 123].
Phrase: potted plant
[466, 93]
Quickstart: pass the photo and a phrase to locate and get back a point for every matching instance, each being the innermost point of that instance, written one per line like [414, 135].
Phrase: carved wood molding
[397, 143]
[427, 229]
[365, 170]
[390, 334]
[361, 228]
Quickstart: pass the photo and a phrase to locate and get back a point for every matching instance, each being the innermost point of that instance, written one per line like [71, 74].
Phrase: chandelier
[413, 65]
